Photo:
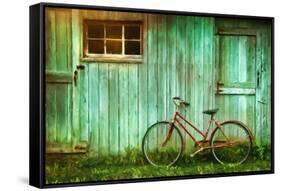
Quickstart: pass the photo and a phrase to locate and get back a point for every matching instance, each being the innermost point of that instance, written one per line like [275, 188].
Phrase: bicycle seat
[211, 111]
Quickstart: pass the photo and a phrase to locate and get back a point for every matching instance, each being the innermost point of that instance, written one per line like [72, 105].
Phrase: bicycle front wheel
[162, 144]
[231, 143]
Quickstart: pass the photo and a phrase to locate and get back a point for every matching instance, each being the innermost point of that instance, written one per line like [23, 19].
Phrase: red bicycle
[163, 144]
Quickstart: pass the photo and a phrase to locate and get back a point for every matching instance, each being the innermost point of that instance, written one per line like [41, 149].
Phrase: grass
[82, 168]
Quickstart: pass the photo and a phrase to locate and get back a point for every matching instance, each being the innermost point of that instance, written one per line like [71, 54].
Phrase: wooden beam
[58, 77]
[237, 91]
[237, 31]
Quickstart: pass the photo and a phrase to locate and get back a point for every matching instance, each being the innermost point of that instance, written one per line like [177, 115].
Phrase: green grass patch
[81, 168]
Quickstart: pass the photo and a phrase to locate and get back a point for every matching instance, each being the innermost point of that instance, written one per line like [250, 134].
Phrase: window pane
[114, 31]
[95, 31]
[132, 47]
[113, 47]
[132, 32]
[96, 46]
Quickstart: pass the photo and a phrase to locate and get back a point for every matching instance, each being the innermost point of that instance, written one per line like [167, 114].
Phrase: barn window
[113, 41]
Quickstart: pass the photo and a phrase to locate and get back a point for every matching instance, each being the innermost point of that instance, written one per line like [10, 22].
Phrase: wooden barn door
[236, 75]
[66, 85]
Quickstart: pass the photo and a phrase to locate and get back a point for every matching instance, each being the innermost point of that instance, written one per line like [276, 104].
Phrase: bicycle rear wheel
[232, 143]
[158, 148]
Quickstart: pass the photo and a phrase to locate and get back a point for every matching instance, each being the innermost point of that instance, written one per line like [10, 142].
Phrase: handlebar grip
[185, 103]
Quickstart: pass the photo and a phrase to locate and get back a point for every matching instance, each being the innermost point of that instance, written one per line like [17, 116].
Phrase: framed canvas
[127, 95]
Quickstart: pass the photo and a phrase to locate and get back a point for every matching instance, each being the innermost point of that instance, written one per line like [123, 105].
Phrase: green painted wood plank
[258, 105]
[251, 64]
[113, 109]
[103, 110]
[94, 107]
[161, 72]
[264, 91]
[50, 113]
[180, 60]
[268, 54]
[171, 64]
[133, 106]
[69, 42]
[236, 62]
[50, 39]
[75, 61]
[250, 112]
[161, 67]
[190, 77]
[58, 77]
[189, 49]
[61, 41]
[61, 113]
[123, 106]
[207, 69]
[198, 58]
[152, 72]
[180, 55]
[238, 91]
[243, 60]
[83, 104]
[142, 85]
[69, 113]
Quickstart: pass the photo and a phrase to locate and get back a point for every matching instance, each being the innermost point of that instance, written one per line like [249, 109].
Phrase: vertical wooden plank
[269, 86]
[189, 83]
[264, 91]
[161, 67]
[180, 60]
[198, 86]
[61, 113]
[61, 41]
[235, 65]
[69, 113]
[258, 105]
[75, 61]
[251, 77]
[50, 39]
[142, 81]
[161, 72]
[83, 104]
[69, 86]
[133, 106]
[94, 107]
[180, 65]
[222, 58]
[123, 106]
[172, 63]
[152, 71]
[208, 92]
[51, 113]
[103, 109]
[113, 109]
[69, 42]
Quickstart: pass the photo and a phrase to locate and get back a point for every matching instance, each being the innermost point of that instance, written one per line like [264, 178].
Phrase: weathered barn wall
[114, 103]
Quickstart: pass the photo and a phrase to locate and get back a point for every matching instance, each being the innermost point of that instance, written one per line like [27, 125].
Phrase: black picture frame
[37, 97]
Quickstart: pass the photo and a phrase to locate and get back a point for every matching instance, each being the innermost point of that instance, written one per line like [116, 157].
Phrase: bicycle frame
[204, 135]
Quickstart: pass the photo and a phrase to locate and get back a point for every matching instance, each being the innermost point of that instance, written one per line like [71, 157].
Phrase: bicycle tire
[236, 132]
[157, 154]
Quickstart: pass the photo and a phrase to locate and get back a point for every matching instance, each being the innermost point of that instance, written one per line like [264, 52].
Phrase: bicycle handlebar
[181, 101]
